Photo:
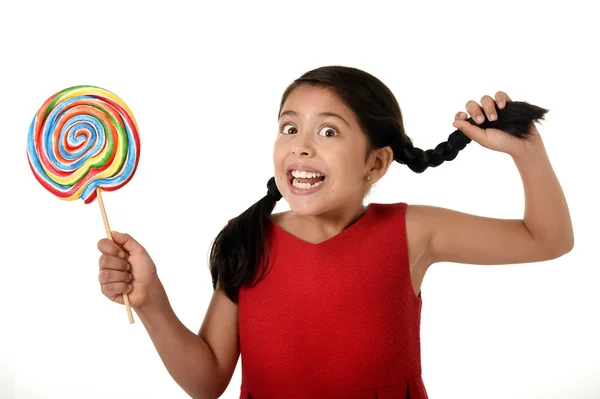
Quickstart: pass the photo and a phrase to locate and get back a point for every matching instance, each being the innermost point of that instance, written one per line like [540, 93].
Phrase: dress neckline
[346, 231]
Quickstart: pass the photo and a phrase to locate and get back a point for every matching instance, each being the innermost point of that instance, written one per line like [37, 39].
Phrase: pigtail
[515, 119]
[239, 248]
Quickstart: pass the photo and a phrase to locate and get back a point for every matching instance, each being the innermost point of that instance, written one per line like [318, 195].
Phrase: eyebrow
[320, 114]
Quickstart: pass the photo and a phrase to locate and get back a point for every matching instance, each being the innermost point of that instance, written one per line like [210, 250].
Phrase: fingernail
[493, 117]
[129, 276]
[129, 287]
[480, 119]
[128, 267]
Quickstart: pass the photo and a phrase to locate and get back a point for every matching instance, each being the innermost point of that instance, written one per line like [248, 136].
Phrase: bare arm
[544, 233]
[201, 364]
[220, 329]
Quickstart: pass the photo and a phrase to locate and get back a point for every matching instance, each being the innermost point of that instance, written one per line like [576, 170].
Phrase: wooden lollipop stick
[107, 227]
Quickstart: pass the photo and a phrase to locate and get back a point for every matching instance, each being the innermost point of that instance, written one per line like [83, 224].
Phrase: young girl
[324, 301]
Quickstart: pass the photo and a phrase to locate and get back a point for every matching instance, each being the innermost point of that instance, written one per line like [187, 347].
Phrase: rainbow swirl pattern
[82, 138]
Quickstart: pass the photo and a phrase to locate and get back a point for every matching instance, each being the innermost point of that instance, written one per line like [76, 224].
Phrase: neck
[329, 223]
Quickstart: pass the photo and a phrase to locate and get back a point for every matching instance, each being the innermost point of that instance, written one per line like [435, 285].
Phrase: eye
[328, 130]
[283, 129]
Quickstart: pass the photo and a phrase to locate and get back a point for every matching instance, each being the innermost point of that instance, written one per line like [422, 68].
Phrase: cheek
[278, 153]
[349, 168]
[346, 176]
[278, 163]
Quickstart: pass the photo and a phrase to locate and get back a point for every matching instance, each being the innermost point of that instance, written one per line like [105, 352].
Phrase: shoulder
[420, 220]
[416, 224]
[388, 214]
[388, 209]
[416, 218]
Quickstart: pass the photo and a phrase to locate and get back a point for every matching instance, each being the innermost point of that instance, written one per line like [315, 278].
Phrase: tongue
[312, 180]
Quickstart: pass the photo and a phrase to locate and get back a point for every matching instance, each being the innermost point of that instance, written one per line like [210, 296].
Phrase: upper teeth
[304, 174]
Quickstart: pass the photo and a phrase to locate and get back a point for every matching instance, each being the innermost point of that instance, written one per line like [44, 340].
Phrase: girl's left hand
[494, 139]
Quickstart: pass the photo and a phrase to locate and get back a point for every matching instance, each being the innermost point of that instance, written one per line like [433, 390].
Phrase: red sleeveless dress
[334, 320]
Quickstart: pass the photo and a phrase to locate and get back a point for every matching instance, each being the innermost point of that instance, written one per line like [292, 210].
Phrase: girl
[324, 301]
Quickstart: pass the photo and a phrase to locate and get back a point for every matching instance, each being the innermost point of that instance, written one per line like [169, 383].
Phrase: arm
[201, 364]
[544, 233]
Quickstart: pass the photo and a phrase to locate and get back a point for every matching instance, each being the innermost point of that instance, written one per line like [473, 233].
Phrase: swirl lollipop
[82, 140]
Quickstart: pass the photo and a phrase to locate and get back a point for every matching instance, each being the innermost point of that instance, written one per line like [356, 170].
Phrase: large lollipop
[82, 140]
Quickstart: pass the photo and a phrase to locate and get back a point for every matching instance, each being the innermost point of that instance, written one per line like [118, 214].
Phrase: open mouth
[305, 180]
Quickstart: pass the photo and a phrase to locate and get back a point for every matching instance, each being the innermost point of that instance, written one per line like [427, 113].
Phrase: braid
[515, 119]
[418, 160]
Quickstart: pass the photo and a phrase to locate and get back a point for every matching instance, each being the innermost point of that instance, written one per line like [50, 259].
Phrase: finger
[109, 247]
[110, 262]
[128, 243]
[111, 290]
[475, 111]
[489, 107]
[106, 276]
[501, 99]
[461, 116]
[473, 132]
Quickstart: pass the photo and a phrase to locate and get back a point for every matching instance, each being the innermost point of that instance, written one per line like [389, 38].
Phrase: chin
[306, 207]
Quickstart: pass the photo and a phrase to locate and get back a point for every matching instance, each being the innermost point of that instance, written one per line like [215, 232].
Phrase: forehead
[308, 100]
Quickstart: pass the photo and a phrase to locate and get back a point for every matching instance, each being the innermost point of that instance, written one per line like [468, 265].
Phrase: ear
[379, 162]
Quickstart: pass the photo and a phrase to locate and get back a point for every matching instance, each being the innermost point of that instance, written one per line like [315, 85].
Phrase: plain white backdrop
[204, 81]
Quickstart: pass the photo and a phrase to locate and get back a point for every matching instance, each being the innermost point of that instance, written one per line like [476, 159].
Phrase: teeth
[306, 186]
[304, 174]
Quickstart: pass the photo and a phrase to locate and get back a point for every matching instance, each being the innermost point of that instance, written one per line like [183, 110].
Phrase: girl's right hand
[126, 267]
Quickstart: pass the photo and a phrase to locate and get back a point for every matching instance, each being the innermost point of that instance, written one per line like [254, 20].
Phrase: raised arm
[544, 233]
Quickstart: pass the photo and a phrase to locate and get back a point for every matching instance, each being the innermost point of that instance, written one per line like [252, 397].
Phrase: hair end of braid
[516, 119]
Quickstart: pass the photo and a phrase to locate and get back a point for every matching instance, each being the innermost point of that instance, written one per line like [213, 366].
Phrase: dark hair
[240, 247]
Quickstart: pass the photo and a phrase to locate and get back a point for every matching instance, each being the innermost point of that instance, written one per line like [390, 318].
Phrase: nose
[302, 146]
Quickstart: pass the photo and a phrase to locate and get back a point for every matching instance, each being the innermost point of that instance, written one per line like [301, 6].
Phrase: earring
[369, 178]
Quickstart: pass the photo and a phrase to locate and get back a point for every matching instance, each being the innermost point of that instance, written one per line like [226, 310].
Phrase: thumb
[471, 131]
[128, 243]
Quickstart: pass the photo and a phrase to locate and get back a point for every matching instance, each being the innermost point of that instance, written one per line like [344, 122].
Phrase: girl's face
[311, 137]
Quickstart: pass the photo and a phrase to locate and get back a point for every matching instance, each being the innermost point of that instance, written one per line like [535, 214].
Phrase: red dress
[335, 320]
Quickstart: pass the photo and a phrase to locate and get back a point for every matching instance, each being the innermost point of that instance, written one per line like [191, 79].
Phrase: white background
[204, 82]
